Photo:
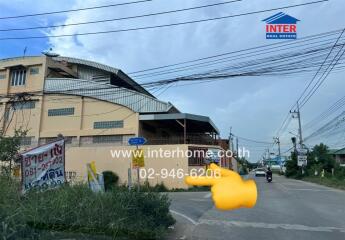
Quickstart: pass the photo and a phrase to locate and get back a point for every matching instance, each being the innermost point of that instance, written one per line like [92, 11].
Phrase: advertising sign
[96, 181]
[301, 160]
[43, 167]
[212, 156]
[138, 158]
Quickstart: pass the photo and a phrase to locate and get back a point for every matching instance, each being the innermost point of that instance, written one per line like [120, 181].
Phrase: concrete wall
[87, 111]
[78, 157]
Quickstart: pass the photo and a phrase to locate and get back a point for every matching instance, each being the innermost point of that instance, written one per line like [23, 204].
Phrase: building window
[26, 141]
[108, 124]
[2, 76]
[18, 77]
[68, 140]
[34, 70]
[24, 105]
[197, 157]
[107, 139]
[60, 112]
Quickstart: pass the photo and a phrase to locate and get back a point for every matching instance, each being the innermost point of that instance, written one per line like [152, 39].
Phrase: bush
[159, 187]
[76, 209]
[111, 180]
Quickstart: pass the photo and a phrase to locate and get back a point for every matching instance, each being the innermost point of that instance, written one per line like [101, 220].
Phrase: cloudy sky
[254, 107]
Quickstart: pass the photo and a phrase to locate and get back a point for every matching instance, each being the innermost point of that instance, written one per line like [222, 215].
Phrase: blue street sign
[136, 141]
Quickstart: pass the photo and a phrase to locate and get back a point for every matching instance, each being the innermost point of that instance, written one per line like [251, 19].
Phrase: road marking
[184, 216]
[309, 189]
[198, 200]
[284, 188]
[208, 195]
[270, 226]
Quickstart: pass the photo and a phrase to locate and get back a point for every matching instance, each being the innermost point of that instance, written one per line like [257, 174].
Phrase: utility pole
[301, 146]
[230, 140]
[276, 139]
[298, 115]
[237, 147]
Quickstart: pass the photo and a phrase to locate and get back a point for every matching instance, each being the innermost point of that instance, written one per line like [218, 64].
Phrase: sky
[254, 107]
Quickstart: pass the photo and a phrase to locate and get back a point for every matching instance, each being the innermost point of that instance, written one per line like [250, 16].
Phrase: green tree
[320, 156]
[291, 166]
[9, 148]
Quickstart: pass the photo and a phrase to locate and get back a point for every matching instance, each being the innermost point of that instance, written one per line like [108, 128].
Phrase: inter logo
[281, 26]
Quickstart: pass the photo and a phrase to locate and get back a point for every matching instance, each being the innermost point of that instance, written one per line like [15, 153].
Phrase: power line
[243, 52]
[321, 66]
[74, 10]
[306, 99]
[328, 112]
[159, 26]
[119, 19]
[246, 53]
[251, 140]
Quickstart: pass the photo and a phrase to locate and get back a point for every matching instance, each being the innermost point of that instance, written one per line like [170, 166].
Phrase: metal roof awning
[199, 121]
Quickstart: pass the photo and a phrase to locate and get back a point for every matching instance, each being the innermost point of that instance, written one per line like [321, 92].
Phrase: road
[286, 209]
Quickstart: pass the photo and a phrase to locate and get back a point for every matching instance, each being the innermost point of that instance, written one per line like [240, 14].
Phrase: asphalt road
[286, 209]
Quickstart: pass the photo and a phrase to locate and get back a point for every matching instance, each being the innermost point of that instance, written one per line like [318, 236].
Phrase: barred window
[24, 105]
[107, 139]
[108, 124]
[18, 77]
[2, 76]
[26, 141]
[60, 112]
[68, 140]
[34, 70]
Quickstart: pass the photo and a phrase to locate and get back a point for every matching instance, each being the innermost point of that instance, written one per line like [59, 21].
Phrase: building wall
[78, 157]
[34, 82]
[80, 125]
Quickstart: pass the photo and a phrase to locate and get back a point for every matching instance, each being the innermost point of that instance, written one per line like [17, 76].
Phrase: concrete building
[98, 108]
[339, 156]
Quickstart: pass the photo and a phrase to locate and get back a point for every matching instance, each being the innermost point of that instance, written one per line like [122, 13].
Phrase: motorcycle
[269, 178]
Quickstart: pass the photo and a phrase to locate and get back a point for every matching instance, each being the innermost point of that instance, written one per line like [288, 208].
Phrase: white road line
[184, 216]
[309, 189]
[284, 188]
[208, 195]
[270, 226]
[198, 200]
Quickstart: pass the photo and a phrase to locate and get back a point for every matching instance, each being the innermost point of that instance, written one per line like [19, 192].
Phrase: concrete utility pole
[276, 139]
[230, 140]
[237, 147]
[298, 115]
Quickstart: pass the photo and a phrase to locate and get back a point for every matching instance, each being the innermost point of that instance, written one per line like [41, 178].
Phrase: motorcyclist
[268, 173]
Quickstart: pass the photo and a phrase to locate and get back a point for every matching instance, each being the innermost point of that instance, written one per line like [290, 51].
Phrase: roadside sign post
[302, 158]
[96, 181]
[138, 160]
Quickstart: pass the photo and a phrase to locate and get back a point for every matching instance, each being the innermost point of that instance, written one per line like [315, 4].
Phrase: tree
[291, 166]
[320, 156]
[9, 148]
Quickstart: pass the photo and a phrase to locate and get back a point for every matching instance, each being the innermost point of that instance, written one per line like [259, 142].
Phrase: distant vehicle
[260, 172]
[269, 178]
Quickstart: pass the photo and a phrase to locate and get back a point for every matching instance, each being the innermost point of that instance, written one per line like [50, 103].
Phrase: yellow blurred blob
[229, 190]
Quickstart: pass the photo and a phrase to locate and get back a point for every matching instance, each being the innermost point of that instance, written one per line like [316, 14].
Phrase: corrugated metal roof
[124, 77]
[87, 63]
[134, 100]
[337, 151]
[174, 116]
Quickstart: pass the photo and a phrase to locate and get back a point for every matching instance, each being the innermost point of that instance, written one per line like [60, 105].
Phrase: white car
[260, 172]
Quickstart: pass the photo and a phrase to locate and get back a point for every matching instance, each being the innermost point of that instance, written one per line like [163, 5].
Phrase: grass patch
[327, 181]
[118, 213]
